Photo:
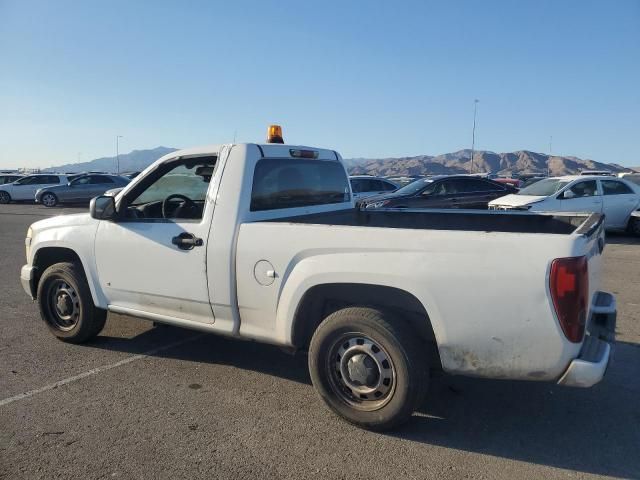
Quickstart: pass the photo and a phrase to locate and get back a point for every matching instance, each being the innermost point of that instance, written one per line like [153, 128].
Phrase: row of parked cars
[617, 198]
[51, 189]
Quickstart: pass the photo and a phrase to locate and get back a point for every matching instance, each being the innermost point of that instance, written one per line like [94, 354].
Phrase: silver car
[80, 189]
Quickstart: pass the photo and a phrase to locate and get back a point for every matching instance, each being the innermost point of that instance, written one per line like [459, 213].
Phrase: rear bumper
[26, 279]
[591, 365]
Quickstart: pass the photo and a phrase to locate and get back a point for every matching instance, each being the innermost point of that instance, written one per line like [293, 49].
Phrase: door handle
[186, 241]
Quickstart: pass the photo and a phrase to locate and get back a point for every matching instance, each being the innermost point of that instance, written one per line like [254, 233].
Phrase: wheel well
[322, 300]
[47, 256]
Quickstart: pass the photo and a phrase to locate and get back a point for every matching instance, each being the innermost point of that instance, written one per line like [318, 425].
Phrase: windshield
[544, 188]
[413, 187]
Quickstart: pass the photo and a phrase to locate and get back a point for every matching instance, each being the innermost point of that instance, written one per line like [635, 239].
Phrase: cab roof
[269, 150]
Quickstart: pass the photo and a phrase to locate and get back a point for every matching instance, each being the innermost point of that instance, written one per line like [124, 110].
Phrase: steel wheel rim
[64, 305]
[48, 200]
[361, 372]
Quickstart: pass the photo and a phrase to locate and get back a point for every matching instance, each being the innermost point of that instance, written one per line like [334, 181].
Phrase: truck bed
[469, 220]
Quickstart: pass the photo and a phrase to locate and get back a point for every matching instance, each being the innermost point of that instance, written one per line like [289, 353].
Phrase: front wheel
[369, 367]
[49, 199]
[5, 197]
[66, 305]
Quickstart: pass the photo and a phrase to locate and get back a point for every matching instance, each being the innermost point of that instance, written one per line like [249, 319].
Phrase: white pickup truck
[263, 242]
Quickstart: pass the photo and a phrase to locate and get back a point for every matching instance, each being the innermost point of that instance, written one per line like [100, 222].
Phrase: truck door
[152, 259]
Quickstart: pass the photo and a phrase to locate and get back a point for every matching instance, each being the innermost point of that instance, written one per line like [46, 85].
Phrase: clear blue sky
[369, 79]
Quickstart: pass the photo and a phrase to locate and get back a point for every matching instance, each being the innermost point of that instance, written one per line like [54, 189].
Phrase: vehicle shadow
[616, 238]
[594, 430]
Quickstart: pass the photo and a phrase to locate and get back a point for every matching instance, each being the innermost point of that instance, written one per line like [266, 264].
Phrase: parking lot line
[95, 371]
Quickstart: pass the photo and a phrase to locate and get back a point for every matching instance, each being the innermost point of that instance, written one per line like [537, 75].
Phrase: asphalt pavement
[161, 402]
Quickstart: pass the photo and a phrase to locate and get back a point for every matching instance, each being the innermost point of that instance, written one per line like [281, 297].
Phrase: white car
[615, 197]
[26, 187]
[364, 186]
[263, 242]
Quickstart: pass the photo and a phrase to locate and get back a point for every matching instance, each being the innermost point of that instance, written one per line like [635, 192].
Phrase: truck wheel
[66, 305]
[4, 197]
[369, 367]
[49, 199]
[634, 226]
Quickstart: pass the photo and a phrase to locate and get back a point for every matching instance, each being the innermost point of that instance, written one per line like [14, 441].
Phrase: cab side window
[177, 190]
[585, 189]
[612, 187]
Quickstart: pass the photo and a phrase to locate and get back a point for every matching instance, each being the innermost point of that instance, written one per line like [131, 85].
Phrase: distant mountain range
[134, 161]
[522, 161]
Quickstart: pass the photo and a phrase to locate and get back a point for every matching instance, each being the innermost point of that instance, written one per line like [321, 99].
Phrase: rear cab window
[289, 183]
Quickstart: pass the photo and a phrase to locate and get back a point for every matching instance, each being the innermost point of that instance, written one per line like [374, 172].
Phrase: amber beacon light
[274, 134]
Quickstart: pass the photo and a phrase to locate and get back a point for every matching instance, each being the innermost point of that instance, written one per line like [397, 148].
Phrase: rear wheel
[49, 199]
[634, 226]
[369, 367]
[4, 197]
[66, 305]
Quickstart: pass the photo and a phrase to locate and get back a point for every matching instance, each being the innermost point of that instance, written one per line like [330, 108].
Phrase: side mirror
[567, 194]
[103, 208]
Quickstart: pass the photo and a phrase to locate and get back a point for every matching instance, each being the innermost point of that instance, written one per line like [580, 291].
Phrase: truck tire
[49, 199]
[369, 367]
[66, 305]
[4, 197]
[634, 226]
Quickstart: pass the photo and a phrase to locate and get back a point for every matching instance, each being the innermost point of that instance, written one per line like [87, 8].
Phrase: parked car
[514, 182]
[615, 197]
[80, 189]
[262, 242]
[452, 191]
[600, 173]
[530, 181]
[364, 186]
[25, 188]
[9, 178]
[527, 175]
[402, 180]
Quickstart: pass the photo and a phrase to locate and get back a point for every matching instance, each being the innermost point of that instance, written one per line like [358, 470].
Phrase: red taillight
[569, 285]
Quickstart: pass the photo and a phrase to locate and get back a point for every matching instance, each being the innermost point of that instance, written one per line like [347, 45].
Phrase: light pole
[473, 134]
[550, 153]
[118, 137]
